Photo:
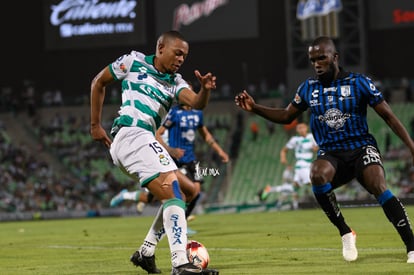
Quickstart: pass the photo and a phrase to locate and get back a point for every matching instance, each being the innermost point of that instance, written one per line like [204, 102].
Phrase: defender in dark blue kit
[338, 102]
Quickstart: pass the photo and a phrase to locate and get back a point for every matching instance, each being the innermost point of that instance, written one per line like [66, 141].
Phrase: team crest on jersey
[334, 118]
[164, 160]
[345, 90]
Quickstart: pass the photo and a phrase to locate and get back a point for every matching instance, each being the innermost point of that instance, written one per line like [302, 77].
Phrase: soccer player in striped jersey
[338, 102]
[304, 146]
[150, 85]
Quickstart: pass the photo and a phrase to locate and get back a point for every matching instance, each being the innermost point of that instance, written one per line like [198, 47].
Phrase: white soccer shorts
[138, 154]
[302, 175]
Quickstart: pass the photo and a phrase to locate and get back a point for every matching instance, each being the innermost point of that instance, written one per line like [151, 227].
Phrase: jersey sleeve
[370, 91]
[201, 117]
[299, 101]
[291, 143]
[180, 84]
[169, 120]
[121, 67]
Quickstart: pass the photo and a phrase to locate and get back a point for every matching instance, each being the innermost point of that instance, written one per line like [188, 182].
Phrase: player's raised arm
[277, 115]
[199, 100]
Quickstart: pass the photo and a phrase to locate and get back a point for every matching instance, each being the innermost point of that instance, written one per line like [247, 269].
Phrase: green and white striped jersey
[303, 147]
[147, 95]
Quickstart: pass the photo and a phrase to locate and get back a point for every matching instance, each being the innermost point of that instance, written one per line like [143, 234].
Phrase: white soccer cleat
[140, 207]
[191, 218]
[349, 250]
[410, 256]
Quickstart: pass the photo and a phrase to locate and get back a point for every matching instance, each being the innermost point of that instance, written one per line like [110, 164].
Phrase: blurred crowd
[81, 176]
[78, 175]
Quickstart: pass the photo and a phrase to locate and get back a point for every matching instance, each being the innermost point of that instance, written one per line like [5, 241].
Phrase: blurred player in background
[284, 190]
[304, 146]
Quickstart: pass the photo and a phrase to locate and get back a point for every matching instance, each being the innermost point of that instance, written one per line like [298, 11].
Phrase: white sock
[131, 196]
[154, 235]
[175, 225]
[295, 204]
[273, 189]
[284, 188]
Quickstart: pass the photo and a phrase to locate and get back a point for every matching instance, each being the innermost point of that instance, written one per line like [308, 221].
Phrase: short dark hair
[323, 40]
[173, 34]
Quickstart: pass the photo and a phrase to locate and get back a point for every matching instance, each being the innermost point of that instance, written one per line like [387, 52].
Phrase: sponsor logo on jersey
[330, 89]
[314, 102]
[142, 76]
[189, 135]
[334, 118]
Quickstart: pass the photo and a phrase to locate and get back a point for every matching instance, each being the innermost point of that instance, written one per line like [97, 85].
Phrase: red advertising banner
[206, 20]
[390, 14]
[72, 24]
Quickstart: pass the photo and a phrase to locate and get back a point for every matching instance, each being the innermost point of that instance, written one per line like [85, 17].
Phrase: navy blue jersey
[339, 112]
[182, 126]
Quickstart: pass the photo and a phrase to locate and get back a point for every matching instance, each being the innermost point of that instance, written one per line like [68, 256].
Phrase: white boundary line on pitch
[226, 248]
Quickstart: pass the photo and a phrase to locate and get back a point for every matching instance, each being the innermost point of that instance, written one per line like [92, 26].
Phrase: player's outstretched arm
[209, 139]
[199, 100]
[176, 153]
[277, 115]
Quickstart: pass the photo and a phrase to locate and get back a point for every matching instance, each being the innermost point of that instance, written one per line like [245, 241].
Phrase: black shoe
[146, 263]
[209, 271]
[186, 269]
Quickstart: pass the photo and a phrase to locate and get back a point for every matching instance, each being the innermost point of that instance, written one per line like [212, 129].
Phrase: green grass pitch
[275, 242]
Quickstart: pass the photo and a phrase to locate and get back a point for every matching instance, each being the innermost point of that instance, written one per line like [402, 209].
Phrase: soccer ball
[197, 254]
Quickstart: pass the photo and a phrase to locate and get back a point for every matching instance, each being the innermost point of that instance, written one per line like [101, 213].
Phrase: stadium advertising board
[74, 24]
[207, 20]
[391, 14]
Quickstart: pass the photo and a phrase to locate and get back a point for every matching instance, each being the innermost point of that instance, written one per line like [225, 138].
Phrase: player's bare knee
[317, 176]
[375, 187]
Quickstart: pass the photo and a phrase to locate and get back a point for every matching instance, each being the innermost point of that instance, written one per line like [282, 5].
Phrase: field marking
[225, 248]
